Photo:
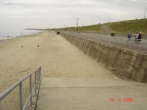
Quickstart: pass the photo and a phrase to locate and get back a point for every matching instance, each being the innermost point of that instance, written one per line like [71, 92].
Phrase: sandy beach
[57, 57]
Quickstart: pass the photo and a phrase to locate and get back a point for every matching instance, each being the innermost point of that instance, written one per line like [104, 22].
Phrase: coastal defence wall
[125, 64]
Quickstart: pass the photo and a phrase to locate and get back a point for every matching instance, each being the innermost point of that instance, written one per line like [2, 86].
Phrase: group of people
[134, 37]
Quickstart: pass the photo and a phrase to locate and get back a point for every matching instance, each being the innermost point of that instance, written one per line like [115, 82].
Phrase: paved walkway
[73, 81]
[105, 29]
[91, 94]
[115, 40]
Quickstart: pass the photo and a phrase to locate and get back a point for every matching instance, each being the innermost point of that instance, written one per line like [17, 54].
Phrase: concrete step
[91, 94]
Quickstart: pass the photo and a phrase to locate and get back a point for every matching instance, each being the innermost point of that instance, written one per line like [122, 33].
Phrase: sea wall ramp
[124, 63]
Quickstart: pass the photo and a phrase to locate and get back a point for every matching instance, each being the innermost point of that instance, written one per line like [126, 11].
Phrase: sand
[57, 57]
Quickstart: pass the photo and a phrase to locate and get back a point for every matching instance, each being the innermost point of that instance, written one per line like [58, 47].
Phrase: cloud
[56, 13]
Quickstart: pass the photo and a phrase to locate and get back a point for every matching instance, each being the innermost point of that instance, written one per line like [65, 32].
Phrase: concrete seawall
[124, 63]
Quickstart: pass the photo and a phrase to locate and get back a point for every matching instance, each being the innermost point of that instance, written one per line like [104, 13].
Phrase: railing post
[35, 82]
[129, 44]
[20, 95]
[40, 72]
[31, 90]
[139, 46]
[121, 41]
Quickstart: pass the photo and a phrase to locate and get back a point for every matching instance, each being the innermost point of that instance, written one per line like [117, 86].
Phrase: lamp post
[21, 34]
[109, 18]
[64, 27]
[77, 25]
[145, 12]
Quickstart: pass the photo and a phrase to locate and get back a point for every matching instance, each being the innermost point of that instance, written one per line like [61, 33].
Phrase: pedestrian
[139, 37]
[129, 37]
[133, 37]
[136, 37]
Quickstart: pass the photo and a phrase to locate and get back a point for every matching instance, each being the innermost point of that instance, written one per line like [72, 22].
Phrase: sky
[21, 14]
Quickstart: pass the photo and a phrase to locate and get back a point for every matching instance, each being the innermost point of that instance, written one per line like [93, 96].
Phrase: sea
[13, 34]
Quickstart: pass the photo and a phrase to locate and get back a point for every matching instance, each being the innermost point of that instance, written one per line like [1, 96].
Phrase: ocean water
[16, 33]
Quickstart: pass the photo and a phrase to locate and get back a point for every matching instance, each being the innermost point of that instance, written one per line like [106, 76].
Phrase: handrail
[5, 93]
[19, 83]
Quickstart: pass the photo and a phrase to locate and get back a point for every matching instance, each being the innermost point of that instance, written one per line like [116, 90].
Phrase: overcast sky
[20, 14]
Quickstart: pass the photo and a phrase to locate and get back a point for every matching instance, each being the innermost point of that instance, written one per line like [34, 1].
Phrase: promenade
[120, 41]
[70, 79]
[83, 84]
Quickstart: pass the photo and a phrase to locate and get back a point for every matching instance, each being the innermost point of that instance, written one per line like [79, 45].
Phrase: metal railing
[33, 90]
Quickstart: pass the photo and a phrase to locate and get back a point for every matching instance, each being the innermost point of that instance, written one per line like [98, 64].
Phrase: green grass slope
[130, 25]
[90, 28]
[94, 28]
[121, 28]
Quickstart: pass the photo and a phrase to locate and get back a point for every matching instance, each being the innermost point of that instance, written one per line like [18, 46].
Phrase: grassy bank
[130, 25]
[121, 28]
[91, 28]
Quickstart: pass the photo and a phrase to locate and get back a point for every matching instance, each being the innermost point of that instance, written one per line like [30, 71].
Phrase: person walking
[136, 37]
[129, 37]
[133, 37]
[139, 37]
